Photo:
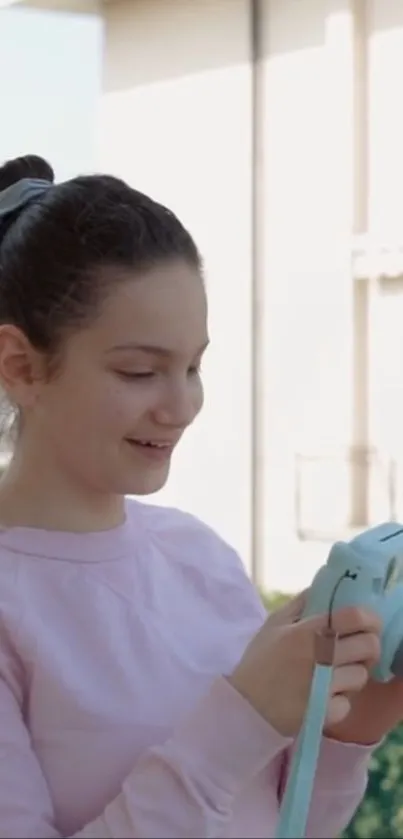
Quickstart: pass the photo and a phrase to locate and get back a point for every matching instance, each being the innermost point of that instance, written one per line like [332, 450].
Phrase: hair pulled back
[60, 253]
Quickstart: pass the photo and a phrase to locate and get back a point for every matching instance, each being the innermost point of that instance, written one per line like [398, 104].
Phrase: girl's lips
[152, 449]
[159, 444]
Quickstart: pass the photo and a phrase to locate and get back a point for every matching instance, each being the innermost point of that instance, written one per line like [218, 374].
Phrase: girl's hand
[275, 672]
[375, 711]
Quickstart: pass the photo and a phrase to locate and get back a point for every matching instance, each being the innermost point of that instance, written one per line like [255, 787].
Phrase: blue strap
[296, 801]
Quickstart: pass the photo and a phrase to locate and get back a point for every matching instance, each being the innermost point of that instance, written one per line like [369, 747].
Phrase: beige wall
[385, 70]
[308, 335]
[334, 168]
[385, 214]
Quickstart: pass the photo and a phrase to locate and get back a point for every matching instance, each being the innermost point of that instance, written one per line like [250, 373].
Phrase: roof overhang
[76, 6]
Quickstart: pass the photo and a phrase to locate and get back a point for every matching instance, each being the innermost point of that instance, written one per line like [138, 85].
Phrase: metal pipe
[257, 289]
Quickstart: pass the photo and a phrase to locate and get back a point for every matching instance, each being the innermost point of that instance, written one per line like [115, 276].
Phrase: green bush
[274, 599]
[380, 815]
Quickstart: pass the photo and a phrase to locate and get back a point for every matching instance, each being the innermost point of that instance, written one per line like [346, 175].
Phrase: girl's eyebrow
[151, 349]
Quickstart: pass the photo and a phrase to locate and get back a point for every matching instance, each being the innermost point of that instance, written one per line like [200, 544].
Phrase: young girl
[143, 693]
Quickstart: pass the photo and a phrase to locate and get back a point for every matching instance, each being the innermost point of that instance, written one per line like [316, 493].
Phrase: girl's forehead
[163, 309]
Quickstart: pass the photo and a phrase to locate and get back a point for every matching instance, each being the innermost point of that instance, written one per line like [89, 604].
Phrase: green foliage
[380, 815]
[274, 599]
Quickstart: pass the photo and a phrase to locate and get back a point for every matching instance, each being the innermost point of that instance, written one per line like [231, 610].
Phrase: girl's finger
[338, 709]
[349, 678]
[359, 648]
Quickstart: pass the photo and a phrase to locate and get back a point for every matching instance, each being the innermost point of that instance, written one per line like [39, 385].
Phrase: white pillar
[308, 329]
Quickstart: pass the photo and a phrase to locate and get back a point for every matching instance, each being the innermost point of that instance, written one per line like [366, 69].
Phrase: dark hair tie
[16, 196]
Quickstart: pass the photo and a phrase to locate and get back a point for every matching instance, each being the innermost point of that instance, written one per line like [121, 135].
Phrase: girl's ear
[21, 367]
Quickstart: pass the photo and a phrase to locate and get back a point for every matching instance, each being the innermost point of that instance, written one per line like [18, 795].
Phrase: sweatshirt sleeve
[184, 788]
[340, 785]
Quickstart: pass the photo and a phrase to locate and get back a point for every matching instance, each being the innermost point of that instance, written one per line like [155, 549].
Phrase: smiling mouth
[151, 444]
[152, 451]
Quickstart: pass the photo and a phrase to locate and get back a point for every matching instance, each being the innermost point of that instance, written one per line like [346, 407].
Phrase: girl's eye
[149, 374]
[125, 374]
[195, 370]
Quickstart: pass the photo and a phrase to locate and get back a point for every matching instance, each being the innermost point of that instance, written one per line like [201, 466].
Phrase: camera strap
[294, 810]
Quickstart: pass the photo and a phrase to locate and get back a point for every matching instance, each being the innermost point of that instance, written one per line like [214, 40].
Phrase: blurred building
[274, 129]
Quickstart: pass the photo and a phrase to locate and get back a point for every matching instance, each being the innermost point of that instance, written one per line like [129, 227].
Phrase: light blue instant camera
[368, 572]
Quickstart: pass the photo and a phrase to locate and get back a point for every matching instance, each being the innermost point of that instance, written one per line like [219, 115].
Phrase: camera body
[367, 572]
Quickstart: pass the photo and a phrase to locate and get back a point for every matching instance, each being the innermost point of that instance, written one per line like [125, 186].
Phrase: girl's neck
[36, 495]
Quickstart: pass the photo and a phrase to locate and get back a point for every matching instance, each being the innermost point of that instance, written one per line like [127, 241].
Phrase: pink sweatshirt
[115, 718]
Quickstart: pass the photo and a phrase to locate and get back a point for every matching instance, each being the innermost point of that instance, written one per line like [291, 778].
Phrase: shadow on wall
[217, 30]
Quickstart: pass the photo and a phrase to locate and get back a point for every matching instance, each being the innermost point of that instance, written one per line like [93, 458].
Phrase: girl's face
[128, 386]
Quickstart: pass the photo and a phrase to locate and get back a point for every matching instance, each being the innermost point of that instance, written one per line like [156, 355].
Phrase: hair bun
[30, 166]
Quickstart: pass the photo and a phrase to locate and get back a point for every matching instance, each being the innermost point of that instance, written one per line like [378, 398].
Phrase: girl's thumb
[290, 612]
